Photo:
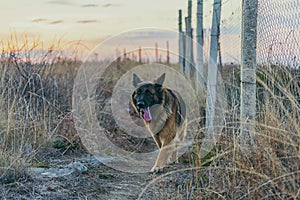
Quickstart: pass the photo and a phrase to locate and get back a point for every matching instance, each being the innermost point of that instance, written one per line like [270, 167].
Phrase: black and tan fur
[165, 117]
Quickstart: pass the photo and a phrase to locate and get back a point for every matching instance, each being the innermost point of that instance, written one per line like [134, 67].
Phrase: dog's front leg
[161, 159]
[173, 152]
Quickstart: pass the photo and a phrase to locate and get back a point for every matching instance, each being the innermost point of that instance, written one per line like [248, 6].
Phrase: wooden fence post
[168, 52]
[156, 52]
[248, 72]
[189, 42]
[181, 44]
[140, 54]
[212, 71]
[124, 55]
[200, 63]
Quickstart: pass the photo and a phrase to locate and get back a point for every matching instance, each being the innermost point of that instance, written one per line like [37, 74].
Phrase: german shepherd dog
[164, 114]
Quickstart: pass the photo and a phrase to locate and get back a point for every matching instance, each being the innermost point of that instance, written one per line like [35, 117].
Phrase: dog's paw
[157, 170]
[172, 162]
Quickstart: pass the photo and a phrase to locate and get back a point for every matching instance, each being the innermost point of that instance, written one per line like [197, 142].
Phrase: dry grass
[35, 105]
[270, 169]
[35, 97]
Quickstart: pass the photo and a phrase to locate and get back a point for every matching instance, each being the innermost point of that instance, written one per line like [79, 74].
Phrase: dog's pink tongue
[147, 114]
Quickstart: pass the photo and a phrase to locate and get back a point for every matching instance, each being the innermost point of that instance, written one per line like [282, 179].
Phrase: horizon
[84, 24]
[80, 25]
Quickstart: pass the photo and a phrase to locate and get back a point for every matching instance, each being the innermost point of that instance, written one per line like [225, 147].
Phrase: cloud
[56, 22]
[39, 20]
[87, 21]
[151, 34]
[89, 5]
[107, 5]
[61, 2]
[47, 21]
[110, 5]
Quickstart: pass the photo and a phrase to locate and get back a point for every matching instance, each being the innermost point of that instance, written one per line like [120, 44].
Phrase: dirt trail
[96, 181]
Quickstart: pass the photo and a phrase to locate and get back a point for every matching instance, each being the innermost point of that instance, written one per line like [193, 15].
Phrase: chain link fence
[278, 32]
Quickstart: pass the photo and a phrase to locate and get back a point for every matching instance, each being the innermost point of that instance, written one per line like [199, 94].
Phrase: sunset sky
[90, 21]
[64, 23]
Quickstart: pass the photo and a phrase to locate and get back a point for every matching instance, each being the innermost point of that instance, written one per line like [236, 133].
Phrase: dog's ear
[136, 80]
[161, 79]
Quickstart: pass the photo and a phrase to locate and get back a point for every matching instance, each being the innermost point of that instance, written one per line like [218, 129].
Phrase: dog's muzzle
[140, 105]
[144, 111]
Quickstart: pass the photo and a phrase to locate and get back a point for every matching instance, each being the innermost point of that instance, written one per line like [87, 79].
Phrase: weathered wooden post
[181, 44]
[189, 42]
[212, 70]
[156, 52]
[118, 55]
[187, 48]
[124, 55]
[140, 54]
[248, 72]
[200, 63]
[168, 52]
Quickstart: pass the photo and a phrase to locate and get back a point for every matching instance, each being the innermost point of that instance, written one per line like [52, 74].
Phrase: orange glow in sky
[90, 21]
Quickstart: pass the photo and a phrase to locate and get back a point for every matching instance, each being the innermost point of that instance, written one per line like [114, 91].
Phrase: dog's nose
[140, 104]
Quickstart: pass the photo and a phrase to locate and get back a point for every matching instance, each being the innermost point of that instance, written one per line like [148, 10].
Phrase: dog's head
[146, 94]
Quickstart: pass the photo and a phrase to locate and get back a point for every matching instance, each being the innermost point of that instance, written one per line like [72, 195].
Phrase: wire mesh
[278, 32]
